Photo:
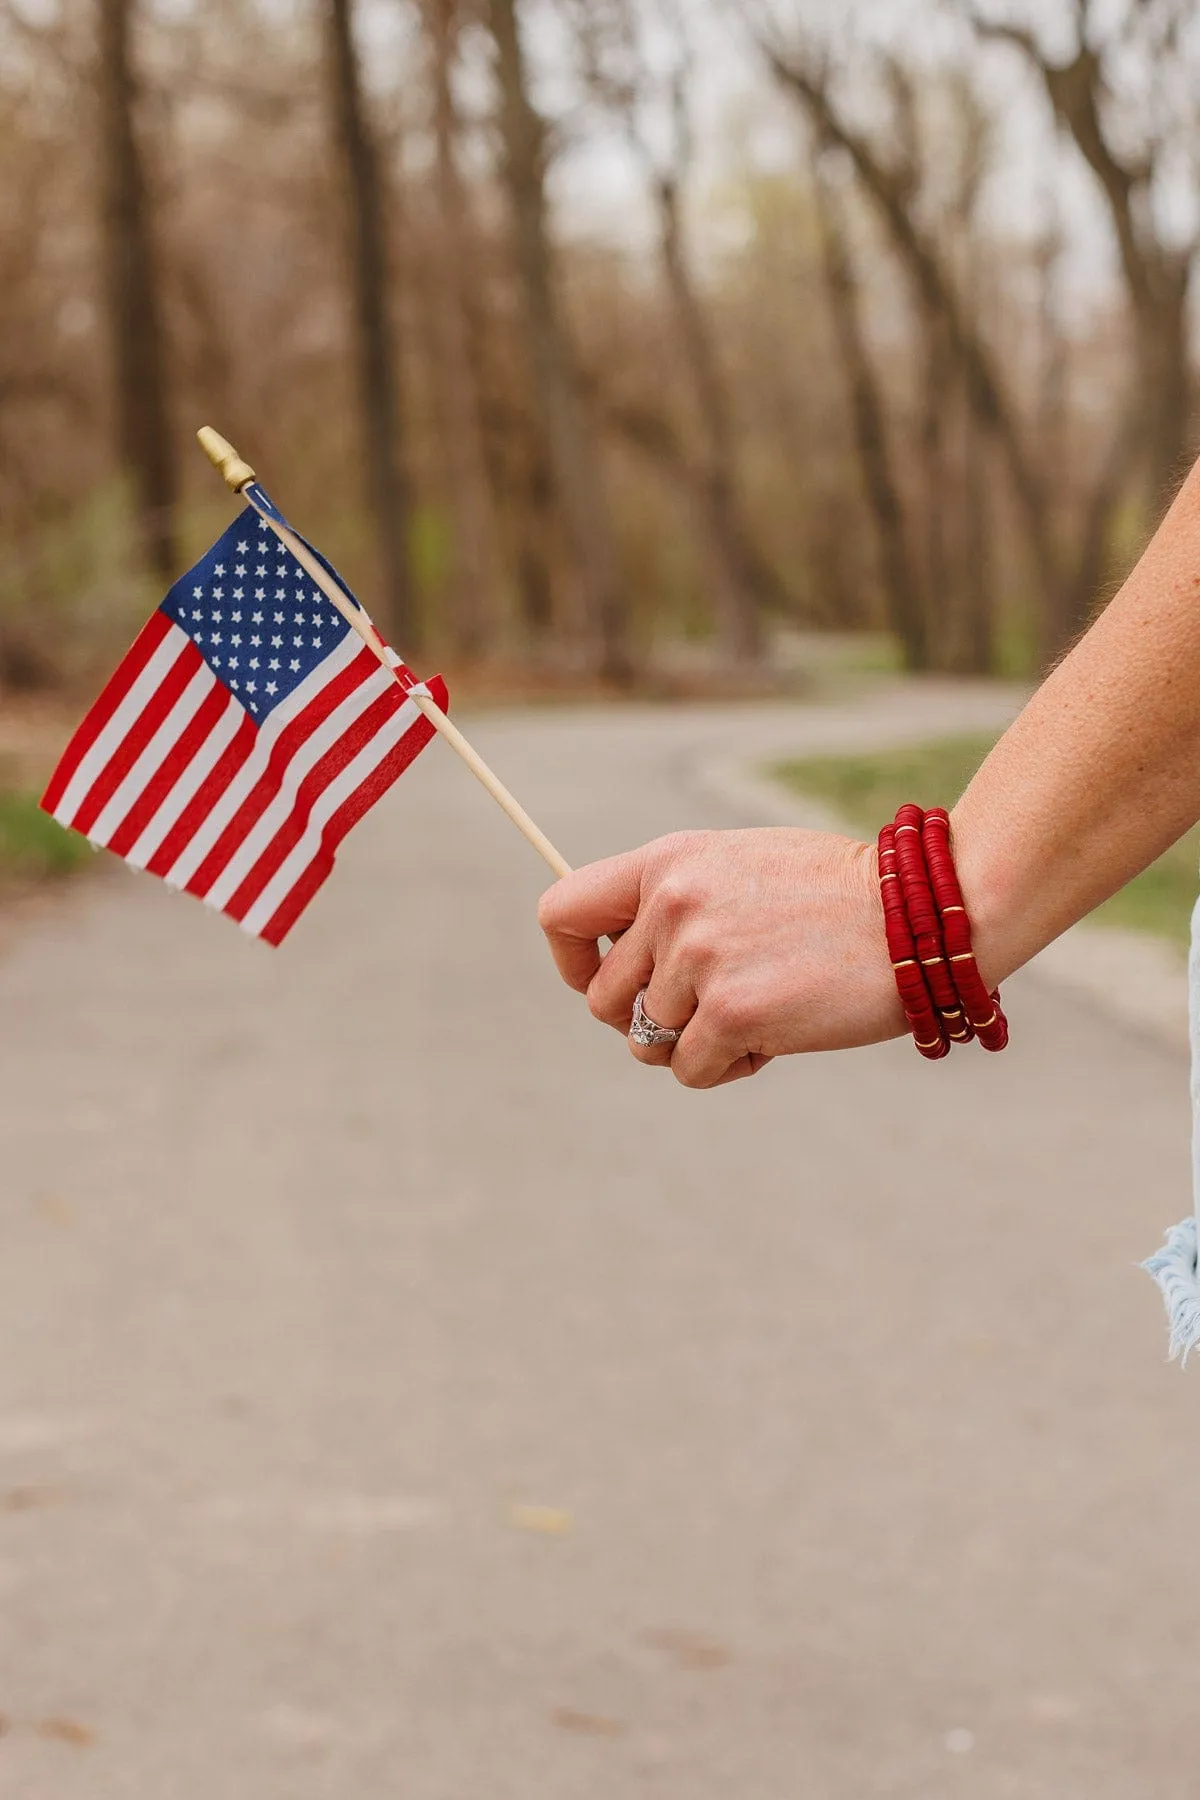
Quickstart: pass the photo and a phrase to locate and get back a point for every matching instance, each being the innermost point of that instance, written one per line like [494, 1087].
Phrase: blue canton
[255, 616]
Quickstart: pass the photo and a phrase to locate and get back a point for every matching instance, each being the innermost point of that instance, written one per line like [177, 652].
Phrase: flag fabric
[244, 734]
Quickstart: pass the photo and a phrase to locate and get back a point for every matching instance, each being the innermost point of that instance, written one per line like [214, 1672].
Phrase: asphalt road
[405, 1396]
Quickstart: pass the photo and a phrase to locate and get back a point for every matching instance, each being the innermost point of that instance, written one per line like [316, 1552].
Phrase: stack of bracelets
[929, 937]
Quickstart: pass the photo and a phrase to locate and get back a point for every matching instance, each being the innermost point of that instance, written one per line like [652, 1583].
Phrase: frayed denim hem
[1174, 1269]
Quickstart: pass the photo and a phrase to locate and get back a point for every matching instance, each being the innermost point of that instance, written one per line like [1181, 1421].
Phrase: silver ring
[645, 1032]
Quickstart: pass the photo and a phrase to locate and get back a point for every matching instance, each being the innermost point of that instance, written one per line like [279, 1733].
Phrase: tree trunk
[477, 572]
[935, 497]
[570, 436]
[1164, 365]
[731, 556]
[374, 352]
[133, 300]
[905, 602]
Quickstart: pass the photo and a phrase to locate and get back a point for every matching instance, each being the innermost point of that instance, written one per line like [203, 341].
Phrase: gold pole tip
[221, 453]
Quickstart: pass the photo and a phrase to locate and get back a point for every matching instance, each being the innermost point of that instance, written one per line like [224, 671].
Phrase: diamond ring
[645, 1032]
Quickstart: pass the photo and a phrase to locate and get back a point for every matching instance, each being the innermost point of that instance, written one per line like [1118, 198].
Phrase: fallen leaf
[66, 1731]
[689, 1649]
[551, 1521]
[25, 1499]
[587, 1724]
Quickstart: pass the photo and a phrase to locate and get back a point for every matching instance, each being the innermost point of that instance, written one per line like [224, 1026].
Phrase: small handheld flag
[244, 734]
[247, 731]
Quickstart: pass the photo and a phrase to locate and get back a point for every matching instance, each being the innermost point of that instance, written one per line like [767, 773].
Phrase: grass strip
[33, 847]
[867, 789]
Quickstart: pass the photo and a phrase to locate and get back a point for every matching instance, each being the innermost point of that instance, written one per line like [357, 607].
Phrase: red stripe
[284, 748]
[339, 755]
[126, 673]
[169, 770]
[347, 816]
[138, 736]
[205, 798]
[314, 877]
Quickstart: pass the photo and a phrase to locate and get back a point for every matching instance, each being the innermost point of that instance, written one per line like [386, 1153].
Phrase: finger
[622, 974]
[713, 1050]
[599, 901]
[670, 1001]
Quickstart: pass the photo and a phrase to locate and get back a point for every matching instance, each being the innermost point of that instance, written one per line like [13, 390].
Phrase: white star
[278, 619]
[236, 617]
[233, 662]
[280, 569]
[261, 569]
[238, 593]
[254, 706]
[217, 618]
[316, 643]
[243, 547]
[299, 619]
[252, 687]
[220, 569]
[274, 663]
[218, 593]
[256, 641]
[198, 593]
[241, 569]
[275, 641]
[293, 665]
[216, 661]
[281, 593]
[256, 618]
[216, 637]
[197, 614]
[299, 642]
[235, 640]
[260, 593]
[272, 687]
[254, 662]
[199, 636]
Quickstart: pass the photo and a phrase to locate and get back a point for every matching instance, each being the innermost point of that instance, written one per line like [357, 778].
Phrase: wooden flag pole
[239, 476]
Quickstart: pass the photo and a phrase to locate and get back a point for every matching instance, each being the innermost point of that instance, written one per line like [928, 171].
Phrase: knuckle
[549, 909]
[728, 1011]
[599, 1004]
[690, 1075]
[673, 898]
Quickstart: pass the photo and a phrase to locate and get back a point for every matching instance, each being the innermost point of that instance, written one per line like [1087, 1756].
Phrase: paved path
[402, 1394]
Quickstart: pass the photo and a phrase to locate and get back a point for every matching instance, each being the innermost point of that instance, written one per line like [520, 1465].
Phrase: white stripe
[155, 754]
[252, 770]
[190, 780]
[351, 778]
[121, 723]
[283, 804]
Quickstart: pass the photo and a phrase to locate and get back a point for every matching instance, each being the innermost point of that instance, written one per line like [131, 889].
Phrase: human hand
[756, 943]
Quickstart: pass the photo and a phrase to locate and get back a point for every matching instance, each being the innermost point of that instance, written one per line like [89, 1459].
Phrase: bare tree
[570, 436]
[477, 564]
[1128, 157]
[617, 72]
[374, 352]
[132, 293]
[1062, 572]
[907, 613]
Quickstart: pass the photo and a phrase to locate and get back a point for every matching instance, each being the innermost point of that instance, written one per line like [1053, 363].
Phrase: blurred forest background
[577, 330]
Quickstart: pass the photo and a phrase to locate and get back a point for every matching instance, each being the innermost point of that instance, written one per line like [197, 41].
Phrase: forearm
[1101, 772]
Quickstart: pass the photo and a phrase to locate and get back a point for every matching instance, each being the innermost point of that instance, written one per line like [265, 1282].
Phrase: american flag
[245, 732]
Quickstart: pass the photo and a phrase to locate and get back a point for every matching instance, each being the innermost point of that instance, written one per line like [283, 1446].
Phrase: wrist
[1000, 916]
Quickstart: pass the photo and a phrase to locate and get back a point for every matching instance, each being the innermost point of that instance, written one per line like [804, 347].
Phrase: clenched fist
[754, 944]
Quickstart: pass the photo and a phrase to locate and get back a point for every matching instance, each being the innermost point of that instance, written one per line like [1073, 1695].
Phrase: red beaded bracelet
[927, 1029]
[943, 994]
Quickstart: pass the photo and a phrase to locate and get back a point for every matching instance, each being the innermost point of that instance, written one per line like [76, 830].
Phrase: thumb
[598, 901]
